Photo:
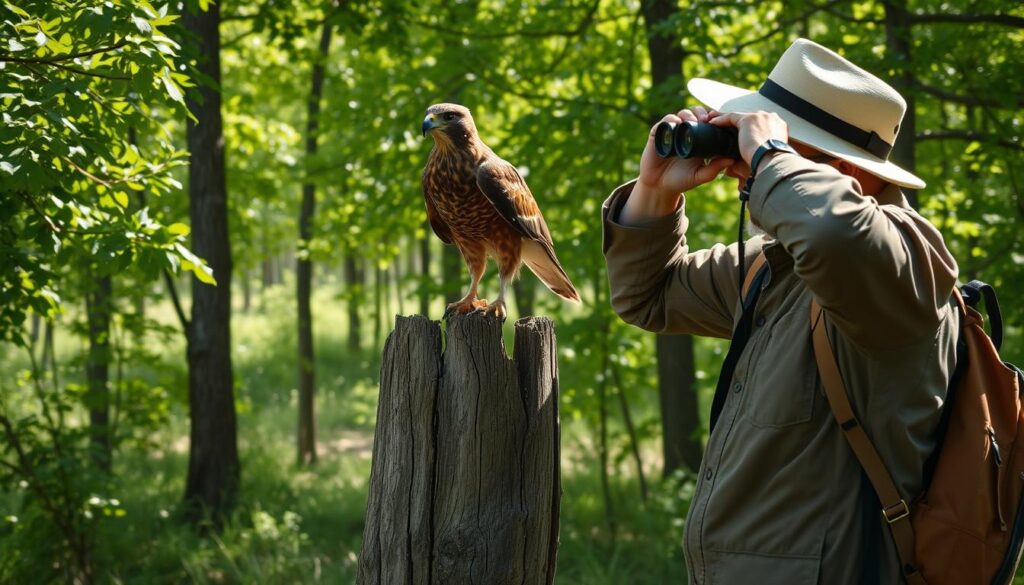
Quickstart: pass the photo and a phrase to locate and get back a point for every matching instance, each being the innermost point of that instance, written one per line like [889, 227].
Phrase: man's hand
[674, 175]
[663, 180]
[754, 129]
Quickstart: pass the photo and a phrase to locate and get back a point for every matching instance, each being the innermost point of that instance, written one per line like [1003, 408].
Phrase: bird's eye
[449, 116]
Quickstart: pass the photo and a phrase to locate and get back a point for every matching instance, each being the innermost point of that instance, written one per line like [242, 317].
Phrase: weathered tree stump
[465, 484]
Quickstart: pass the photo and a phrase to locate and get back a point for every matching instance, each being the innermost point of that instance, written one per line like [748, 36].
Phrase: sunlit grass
[295, 525]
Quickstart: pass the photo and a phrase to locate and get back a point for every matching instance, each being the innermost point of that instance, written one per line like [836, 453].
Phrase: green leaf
[172, 89]
[17, 10]
[122, 199]
[179, 229]
[142, 24]
[196, 264]
[204, 273]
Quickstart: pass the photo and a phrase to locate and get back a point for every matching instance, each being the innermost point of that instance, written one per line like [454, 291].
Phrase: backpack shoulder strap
[751, 273]
[895, 509]
[973, 293]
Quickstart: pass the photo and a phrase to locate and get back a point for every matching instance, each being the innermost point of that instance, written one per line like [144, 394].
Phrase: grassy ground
[305, 526]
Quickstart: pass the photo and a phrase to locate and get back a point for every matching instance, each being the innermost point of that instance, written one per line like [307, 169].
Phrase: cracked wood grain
[464, 485]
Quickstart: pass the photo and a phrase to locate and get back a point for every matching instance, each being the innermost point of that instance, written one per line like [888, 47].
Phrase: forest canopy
[210, 213]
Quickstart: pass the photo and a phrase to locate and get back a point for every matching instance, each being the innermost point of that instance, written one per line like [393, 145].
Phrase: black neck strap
[869, 141]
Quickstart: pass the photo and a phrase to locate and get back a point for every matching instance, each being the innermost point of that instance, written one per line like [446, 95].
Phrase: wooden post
[465, 483]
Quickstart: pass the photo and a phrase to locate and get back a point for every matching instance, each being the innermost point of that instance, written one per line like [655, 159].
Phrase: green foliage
[90, 185]
[77, 83]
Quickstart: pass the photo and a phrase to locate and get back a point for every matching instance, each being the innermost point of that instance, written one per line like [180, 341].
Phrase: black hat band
[869, 141]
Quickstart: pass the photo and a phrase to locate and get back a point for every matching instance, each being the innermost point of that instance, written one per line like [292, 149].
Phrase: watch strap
[770, 145]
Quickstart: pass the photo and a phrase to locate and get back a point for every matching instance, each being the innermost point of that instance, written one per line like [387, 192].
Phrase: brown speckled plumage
[481, 204]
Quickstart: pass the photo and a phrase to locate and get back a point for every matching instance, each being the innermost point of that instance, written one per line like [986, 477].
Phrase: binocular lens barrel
[695, 140]
[664, 139]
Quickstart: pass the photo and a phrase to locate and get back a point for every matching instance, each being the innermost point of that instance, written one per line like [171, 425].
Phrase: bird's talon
[497, 309]
[465, 307]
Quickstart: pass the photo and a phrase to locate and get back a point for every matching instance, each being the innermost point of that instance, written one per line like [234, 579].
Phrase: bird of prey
[481, 204]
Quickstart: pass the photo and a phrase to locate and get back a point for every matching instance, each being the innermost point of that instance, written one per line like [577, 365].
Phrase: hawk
[481, 204]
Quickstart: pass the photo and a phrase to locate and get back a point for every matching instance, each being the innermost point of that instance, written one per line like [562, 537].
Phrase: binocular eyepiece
[696, 140]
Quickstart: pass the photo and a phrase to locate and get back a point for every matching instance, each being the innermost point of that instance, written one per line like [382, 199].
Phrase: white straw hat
[829, 103]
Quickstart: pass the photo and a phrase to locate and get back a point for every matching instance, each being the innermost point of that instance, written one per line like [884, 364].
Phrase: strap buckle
[897, 512]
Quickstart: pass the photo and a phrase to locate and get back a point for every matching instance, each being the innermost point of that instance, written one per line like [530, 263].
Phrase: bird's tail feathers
[542, 261]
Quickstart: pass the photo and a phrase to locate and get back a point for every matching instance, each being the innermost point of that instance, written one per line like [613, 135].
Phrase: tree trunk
[676, 372]
[213, 468]
[665, 50]
[304, 267]
[397, 280]
[465, 482]
[98, 305]
[425, 281]
[898, 43]
[246, 292]
[36, 323]
[354, 285]
[680, 425]
[378, 305]
[49, 354]
[267, 274]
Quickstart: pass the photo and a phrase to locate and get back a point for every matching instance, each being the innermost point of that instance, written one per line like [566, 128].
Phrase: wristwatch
[770, 145]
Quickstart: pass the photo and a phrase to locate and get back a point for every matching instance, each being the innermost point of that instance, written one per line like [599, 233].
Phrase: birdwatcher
[780, 496]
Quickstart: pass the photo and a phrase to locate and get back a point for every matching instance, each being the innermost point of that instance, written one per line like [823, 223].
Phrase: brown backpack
[967, 526]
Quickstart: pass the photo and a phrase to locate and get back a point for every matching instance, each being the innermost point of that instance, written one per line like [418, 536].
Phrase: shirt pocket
[784, 375]
[731, 568]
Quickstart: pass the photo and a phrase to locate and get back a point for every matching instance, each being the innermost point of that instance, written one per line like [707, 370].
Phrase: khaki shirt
[779, 496]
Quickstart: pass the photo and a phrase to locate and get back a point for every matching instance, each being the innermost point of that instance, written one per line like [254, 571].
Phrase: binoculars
[696, 140]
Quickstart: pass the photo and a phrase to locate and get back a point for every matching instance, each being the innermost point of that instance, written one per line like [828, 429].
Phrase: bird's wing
[505, 188]
[436, 223]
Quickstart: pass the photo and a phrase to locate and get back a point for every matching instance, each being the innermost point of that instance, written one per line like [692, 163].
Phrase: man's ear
[869, 184]
[846, 168]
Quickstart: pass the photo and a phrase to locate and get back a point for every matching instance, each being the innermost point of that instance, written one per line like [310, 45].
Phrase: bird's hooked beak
[429, 123]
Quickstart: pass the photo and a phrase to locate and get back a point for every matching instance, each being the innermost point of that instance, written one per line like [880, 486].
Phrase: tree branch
[627, 108]
[168, 280]
[234, 41]
[69, 57]
[39, 211]
[1000, 19]
[238, 17]
[575, 31]
[992, 258]
[850, 18]
[966, 100]
[87, 174]
[783, 24]
[177, 302]
[967, 135]
[89, 73]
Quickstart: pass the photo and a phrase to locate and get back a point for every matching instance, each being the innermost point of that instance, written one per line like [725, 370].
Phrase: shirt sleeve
[657, 284]
[881, 272]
